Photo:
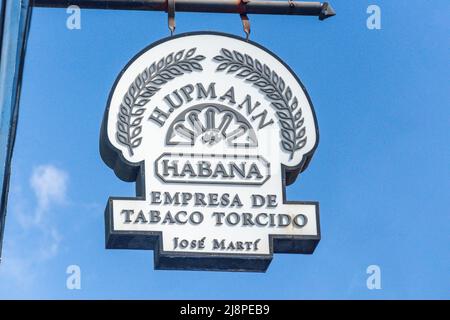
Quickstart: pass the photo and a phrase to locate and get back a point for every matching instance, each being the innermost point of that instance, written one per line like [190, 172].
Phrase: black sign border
[147, 240]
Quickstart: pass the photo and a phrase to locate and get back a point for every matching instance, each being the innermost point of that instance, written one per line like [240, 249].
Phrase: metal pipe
[15, 18]
[303, 8]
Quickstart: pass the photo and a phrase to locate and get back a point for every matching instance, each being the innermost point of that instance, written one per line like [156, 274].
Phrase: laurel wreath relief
[287, 110]
[145, 86]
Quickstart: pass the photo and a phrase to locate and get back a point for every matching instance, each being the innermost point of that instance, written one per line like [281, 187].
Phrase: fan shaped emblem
[211, 124]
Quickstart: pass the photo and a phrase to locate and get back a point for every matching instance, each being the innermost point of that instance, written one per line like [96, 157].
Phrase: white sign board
[212, 128]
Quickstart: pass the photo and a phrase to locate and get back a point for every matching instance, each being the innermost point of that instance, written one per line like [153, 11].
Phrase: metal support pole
[283, 7]
[15, 18]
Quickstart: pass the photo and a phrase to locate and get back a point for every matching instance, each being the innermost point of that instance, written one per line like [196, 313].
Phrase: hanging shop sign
[211, 128]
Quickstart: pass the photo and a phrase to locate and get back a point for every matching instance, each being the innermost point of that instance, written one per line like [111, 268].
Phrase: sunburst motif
[211, 125]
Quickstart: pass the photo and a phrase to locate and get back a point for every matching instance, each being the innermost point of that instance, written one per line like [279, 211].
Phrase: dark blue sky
[381, 172]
